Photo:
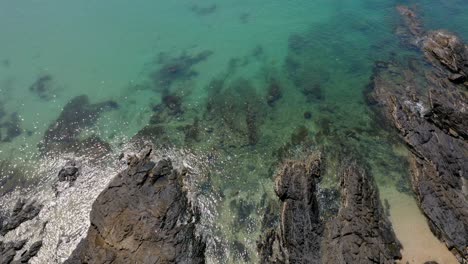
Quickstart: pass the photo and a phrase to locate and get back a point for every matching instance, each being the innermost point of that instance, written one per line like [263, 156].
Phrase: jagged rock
[8, 250]
[360, 233]
[431, 115]
[69, 172]
[143, 216]
[447, 49]
[21, 212]
[30, 253]
[297, 240]
[439, 163]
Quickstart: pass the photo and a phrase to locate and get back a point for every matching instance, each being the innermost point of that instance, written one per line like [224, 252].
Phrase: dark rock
[298, 237]
[23, 211]
[439, 162]
[307, 115]
[359, 233]
[7, 252]
[457, 78]
[32, 252]
[69, 172]
[444, 48]
[144, 216]
[429, 112]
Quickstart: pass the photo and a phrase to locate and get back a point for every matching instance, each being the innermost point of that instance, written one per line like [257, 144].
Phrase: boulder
[359, 233]
[143, 216]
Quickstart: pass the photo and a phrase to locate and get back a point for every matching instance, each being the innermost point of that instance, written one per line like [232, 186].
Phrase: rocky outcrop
[439, 163]
[9, 251]
[298, 237]
[23, 211]
[430, 113]
[445, 49]
[69, 172]
[360, 233]
[143, 216]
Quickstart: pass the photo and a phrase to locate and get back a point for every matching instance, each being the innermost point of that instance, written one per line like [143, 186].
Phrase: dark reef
[43, 87]
[64, 135]
[203, 10]
[239, 106]
[274, 92]
[176, 69]
[10, 128]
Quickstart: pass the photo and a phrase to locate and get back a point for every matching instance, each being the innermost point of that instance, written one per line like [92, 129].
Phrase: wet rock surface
[69, 172]
[445, 48]
[22, 211]
[143, 216]
[298, 237]
[430, 113]
[10, 250]
[360, 233]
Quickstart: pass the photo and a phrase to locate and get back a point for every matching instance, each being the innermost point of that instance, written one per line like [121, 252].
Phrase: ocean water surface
[232, 86]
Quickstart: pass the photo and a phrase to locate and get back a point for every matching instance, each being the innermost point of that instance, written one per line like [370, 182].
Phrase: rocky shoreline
[144, 215]
[359, 233]
[427, 104]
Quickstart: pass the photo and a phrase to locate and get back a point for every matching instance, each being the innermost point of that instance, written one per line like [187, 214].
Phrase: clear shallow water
[278, 62]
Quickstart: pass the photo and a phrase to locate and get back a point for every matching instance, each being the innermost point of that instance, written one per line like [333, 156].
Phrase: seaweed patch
[43, 87]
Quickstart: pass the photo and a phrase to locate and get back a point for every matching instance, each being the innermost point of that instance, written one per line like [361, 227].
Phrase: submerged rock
[10, 128]
[360, 233]
[42, 87]
[144, 216]
[69, 172]
[64, 134]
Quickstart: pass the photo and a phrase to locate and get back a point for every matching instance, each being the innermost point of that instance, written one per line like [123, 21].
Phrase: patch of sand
[411, 228]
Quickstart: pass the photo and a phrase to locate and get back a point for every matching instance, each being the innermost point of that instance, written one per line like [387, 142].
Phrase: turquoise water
[242, 84]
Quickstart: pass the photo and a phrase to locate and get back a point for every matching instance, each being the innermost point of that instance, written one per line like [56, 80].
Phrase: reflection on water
[241, 84]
